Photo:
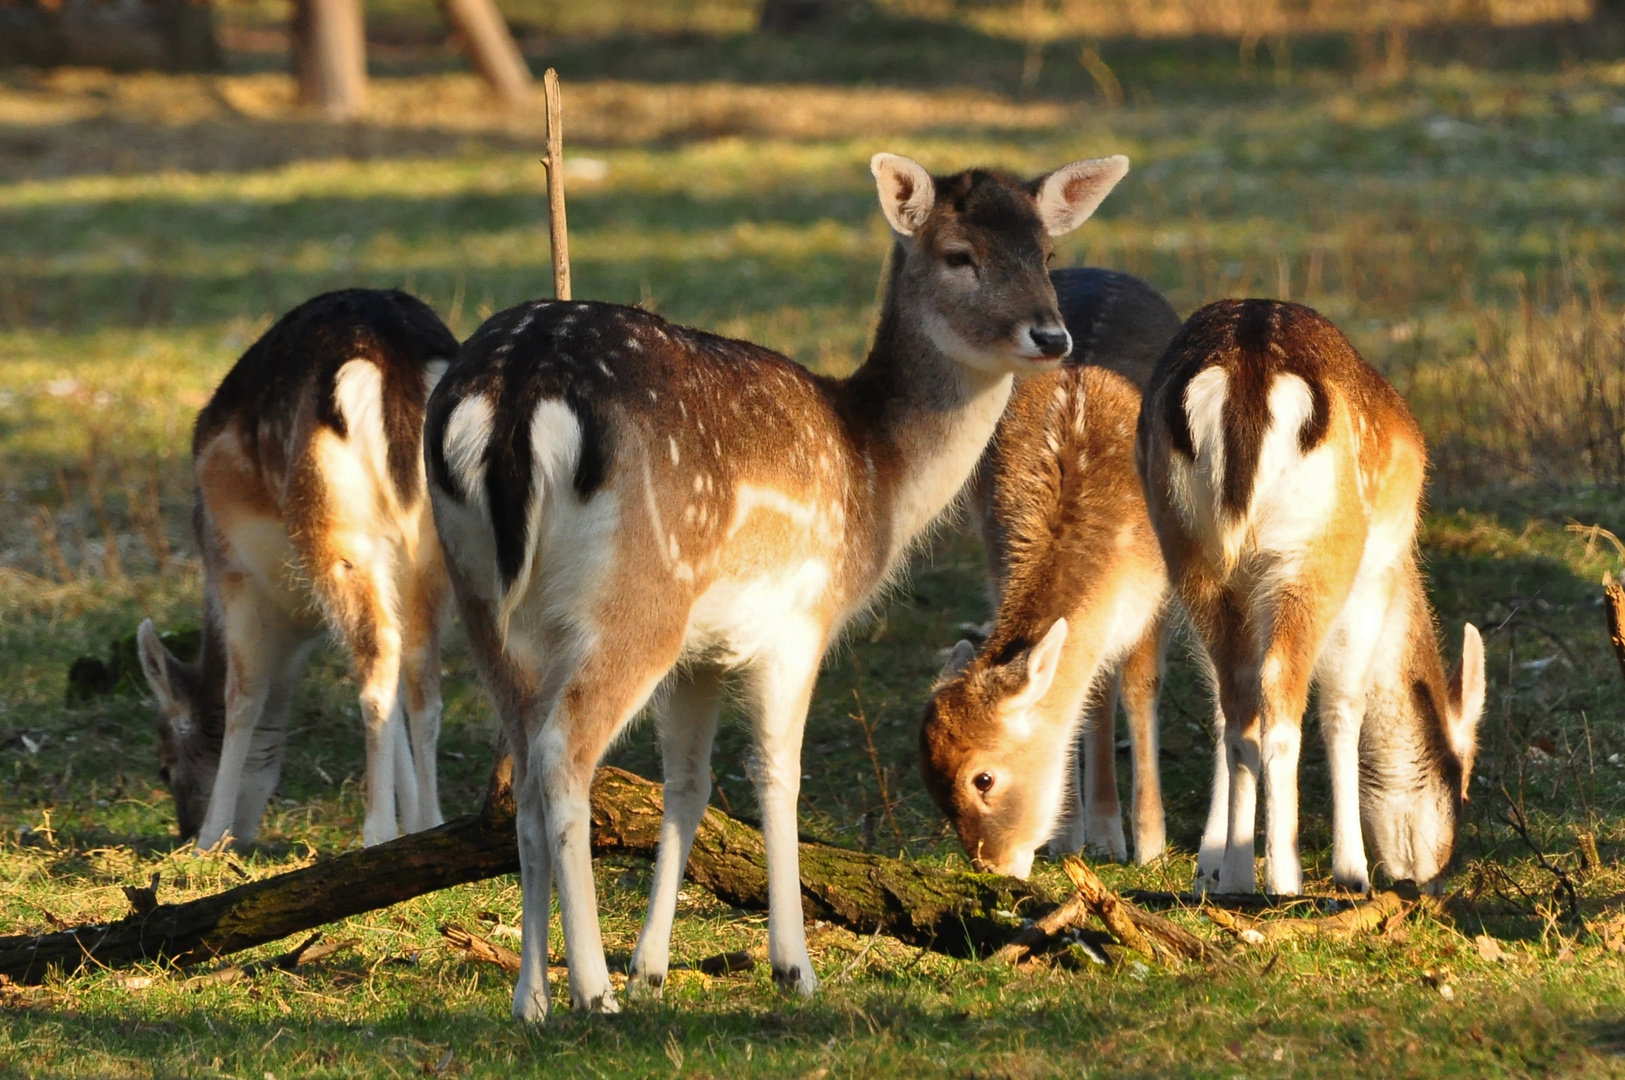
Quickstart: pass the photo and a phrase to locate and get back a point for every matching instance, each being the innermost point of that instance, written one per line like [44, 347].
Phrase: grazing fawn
[633, 510]
[1079, 588]
[310, 507]
[1283, 476]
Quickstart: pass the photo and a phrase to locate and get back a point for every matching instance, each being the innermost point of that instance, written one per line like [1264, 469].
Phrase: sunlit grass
[154, 226]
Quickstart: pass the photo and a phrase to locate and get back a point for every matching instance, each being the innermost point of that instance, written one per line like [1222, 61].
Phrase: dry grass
[1540, 398]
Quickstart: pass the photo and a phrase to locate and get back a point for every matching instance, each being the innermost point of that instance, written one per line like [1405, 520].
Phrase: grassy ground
[153, 226]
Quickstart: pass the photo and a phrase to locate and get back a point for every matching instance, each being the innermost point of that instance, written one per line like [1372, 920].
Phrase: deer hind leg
[358, 595]
[1299, 633]
[531, 994]
[603, 692]
[1140, 682]
[423, 613]
[781, 685]
[686, 714]
[1234, 666]
[262, 647]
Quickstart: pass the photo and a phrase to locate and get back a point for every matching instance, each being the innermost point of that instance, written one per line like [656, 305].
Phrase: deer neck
[1410, 699]
[920, 418]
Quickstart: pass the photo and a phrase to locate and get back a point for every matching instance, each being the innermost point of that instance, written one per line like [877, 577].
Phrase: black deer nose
[1051, 342]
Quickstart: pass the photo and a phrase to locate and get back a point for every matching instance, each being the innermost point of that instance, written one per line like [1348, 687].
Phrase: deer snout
[1051, 341]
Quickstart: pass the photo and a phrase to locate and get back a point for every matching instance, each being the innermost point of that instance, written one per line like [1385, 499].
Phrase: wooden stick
[1614, 594]
[555, 184]
[1107, 907]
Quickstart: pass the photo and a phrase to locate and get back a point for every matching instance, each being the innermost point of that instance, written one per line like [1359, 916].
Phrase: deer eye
[958, 257]
[983, 782]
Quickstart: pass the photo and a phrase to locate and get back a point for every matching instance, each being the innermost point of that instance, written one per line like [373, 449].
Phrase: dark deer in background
[311, 510]
[1283, 476]
[1079, 588]
[634, 510]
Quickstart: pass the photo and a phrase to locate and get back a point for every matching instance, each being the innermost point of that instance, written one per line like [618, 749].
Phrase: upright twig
[555, 185]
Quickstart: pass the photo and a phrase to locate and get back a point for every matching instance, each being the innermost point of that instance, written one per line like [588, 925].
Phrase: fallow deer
[1283, 476]
[310, 507]
[1079, 588]
[634, 510]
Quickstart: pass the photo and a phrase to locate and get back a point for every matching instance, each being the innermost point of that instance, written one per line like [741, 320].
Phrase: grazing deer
[1079, 589]
[633, 510]
[1283, 476]
[310, 507]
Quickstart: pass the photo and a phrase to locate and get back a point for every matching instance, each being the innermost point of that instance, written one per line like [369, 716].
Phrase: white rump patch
[468, 430]
[555, 448]
[359, 389]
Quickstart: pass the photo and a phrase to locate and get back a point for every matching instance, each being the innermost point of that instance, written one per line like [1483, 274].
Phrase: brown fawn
[310, 509]
[1283, 476]
[1079, 588]
[634, 510]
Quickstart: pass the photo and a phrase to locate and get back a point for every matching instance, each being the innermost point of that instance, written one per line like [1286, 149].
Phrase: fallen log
[951, 912]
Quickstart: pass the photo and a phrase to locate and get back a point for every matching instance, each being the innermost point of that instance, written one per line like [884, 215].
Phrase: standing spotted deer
[633, 510]
[1283, 476]
[1079, 588]
[311, 508]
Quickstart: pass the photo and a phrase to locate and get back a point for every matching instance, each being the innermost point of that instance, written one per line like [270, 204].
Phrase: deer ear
[1467, 699]
[1043, 661]
[961, 656]
[906, 191]
[155, 664]
[1067, 196]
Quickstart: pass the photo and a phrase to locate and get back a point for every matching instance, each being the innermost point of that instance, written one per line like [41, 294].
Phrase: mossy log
[952, 912]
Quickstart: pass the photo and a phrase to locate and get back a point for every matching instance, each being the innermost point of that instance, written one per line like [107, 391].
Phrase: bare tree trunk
[330, 56]
[484, 35]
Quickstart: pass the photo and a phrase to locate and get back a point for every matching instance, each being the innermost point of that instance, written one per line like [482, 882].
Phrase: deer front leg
[1103, 813]
[1141, 682]
[1216, 833]
[1340, 719]
[687, 720]
[263, 766]
[782, 684]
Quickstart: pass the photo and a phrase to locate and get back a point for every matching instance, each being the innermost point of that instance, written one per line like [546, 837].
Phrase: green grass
[154, 226]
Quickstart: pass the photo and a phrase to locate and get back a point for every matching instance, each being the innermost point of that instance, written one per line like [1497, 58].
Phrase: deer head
[1412, 820]
[186, 762]
[990, 755]
[971, 270]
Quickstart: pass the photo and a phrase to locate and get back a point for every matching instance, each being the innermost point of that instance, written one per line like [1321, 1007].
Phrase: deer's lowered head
[190, 705]
[969, 274]
[989, 752]
[1417, 756]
